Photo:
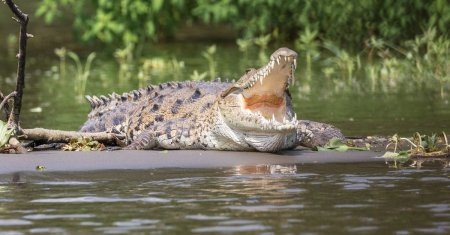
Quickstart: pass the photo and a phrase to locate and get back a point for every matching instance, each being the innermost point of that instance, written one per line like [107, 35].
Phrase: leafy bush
[347, 23]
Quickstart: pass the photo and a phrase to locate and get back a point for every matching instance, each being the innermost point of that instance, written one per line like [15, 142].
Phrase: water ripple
[437, 208]
[135, 222]
[264, 207]
[99, 199]
[10, 222]
[60, 216]
[6, 200]
[205, 217]
[352, 206]
[359, 186]
[292, 190]
[362, 229]
[231, 229]
[47, 230]
[439, 179]
[65, 183]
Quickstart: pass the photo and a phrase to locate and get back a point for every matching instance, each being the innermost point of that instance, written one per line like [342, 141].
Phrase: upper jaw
[281, 66]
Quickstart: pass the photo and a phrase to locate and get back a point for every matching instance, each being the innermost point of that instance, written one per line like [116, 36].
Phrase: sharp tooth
[273, 117]
[278, 60]
[295, 62]
[295, 116]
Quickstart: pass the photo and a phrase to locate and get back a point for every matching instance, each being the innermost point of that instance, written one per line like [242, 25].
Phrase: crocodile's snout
[284, 51]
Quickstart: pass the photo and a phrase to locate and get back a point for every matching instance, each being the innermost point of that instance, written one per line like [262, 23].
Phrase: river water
[364, 198]
[368, 198]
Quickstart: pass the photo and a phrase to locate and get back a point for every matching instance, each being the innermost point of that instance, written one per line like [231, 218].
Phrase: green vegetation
[423, 148]
[212, 63]
[336, 144]
[367, 46]
[5, 133]
[83, 144]
[82, 71]
[420, 146]
[346, 22]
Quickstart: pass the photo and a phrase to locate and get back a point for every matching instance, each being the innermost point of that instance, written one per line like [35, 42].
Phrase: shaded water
[365, 198]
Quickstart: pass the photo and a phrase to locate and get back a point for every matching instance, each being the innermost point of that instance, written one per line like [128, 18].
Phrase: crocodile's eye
[230, 90]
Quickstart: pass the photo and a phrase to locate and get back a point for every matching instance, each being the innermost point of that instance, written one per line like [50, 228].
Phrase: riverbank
[112, 160]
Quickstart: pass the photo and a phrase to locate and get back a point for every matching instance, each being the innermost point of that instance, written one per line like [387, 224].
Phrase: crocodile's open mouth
[260, 100]
[265, 92]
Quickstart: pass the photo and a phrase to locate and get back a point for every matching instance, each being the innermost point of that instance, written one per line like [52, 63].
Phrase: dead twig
[4, 104]
[4, 100]
[22, 19]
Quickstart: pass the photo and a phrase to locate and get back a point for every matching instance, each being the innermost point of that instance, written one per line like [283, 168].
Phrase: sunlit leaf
[5, 133]
[40, 168]
[392, 155]
[157, 4]
[335, 144]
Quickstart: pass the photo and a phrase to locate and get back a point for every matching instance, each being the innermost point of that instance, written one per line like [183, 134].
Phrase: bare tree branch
[5, 105]
[22, 18]
[4, 100]
[58, 136]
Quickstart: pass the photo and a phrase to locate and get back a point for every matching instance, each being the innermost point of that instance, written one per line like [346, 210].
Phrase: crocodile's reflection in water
[266, 169]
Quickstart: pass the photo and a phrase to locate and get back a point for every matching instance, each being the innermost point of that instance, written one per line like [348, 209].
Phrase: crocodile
[254, 113]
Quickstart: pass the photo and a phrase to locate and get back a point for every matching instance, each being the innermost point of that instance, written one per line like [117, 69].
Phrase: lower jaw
[269, 110]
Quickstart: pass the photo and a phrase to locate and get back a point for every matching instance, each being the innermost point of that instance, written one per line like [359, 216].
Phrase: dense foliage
[348, 23]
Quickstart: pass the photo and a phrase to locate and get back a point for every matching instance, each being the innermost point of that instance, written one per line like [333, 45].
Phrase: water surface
[294, 199]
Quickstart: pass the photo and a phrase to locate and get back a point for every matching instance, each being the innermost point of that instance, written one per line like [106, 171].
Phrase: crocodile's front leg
[173, 134]
[310, 133]
[146, 140]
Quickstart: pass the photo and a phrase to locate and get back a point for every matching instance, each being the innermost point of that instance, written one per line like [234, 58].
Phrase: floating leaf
[336, 144]
[393, 155]
[40, 168]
